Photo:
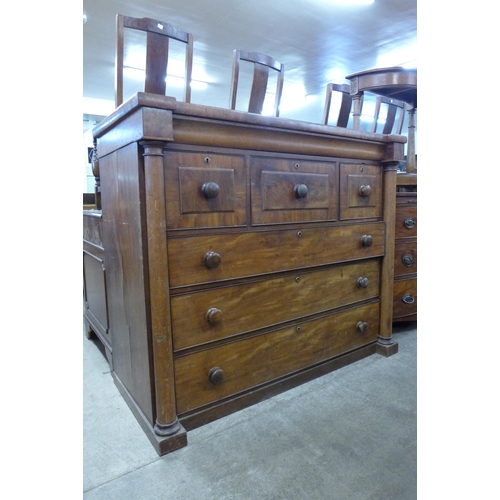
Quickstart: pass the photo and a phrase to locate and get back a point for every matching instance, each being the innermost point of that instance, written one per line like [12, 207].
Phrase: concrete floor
[349, 435]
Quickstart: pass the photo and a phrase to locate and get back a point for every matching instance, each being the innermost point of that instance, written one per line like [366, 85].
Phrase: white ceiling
[317, 40]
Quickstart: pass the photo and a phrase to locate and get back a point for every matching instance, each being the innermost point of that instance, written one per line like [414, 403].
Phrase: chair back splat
[262, 65]
[345, 105]
[157, 44]
[392, 107]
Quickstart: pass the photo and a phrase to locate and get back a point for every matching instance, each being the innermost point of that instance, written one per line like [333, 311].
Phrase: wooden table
[243, 255]
[396, 83]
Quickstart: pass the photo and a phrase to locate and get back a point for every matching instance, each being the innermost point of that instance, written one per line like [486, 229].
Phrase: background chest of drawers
[244, 255]
[405, 260]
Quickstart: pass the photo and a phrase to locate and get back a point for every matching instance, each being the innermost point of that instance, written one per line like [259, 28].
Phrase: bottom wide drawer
[212, 374]
[405, 298]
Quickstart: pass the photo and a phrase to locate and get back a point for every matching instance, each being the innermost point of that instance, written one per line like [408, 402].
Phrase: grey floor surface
[349, 435]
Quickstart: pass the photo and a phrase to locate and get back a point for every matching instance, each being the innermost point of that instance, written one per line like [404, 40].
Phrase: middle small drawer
[217, 313]
[288, 190]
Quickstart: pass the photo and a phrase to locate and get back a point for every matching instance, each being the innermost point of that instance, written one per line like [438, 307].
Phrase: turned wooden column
[97, 176]
[167, 422]
[410, 163]
[356, 113]
[386, 345]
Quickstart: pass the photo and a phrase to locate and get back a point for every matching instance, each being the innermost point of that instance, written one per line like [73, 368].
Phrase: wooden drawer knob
[407, 260]
[366, 240]
[216, 375]
[212, 260]
[365, 190]
[210, 190]
[300, 191]
[362, 326]
[213, 316]
[362, 282]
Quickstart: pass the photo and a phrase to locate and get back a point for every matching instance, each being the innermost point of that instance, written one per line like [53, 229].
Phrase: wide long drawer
[212, 374]
[204, 259]
[221, 312]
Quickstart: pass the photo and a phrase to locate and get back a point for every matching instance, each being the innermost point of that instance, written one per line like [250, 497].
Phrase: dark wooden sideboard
[243, 255]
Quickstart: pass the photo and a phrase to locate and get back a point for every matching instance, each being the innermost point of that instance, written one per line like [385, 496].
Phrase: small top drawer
[360, 191]
[204, 190]
[406, 221]
[290, 190]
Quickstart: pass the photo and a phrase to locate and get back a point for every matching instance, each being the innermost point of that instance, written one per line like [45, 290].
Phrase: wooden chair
[157, 42]
[392, 108]
[345, 105]
[262, 65]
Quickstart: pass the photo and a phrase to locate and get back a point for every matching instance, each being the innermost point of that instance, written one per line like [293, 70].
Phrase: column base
[174, 435]
[386, 347]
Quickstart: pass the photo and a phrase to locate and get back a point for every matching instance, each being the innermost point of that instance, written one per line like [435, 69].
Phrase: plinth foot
[386, 347]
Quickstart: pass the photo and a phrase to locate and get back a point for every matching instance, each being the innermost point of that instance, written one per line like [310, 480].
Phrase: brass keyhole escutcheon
[207, 160]
[297, 279]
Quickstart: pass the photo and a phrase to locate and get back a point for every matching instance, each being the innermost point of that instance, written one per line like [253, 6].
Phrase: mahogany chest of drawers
[405, 255]
[244, 255]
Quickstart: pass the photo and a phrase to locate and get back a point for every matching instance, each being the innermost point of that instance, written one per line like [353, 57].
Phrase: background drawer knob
[365, 190]
[408, 299]
[410, 222]
[407, 260]
[210, 190]
[362, 282]
[213, 316]
[300, 191]
[212, 260]
[366, 240]
[216, 375]
[362, 326]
